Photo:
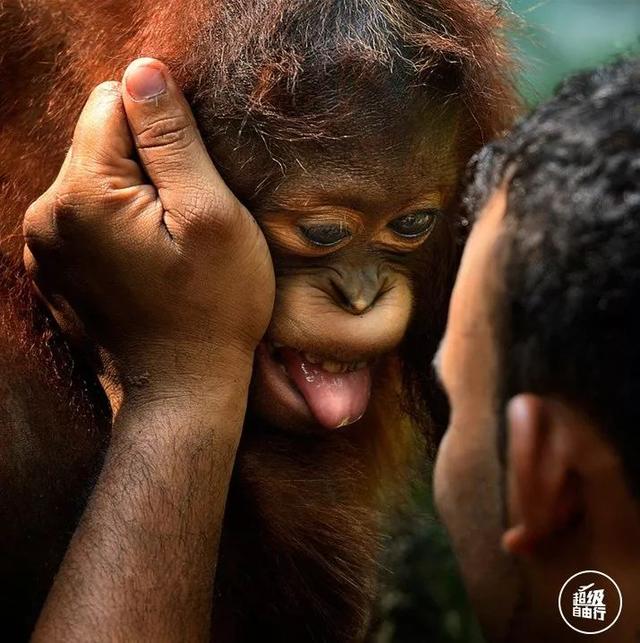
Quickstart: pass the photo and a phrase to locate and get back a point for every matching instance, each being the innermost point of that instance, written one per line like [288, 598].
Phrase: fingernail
[144, 83]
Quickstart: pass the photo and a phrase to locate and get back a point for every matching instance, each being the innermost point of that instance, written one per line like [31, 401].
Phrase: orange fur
[305, 515]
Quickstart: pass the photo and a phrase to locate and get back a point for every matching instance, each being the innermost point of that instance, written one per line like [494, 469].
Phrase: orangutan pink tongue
[335, 399]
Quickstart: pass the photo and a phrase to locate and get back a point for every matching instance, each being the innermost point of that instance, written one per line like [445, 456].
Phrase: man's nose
[357, 291]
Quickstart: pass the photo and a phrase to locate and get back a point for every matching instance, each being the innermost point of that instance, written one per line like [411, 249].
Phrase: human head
[537, 475]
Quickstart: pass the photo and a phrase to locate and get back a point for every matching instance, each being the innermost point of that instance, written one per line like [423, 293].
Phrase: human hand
[139, 245]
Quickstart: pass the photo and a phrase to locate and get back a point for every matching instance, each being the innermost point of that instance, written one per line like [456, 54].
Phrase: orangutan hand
[140, 246]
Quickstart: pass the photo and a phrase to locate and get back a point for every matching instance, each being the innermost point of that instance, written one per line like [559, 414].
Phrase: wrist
[177, 375]
[210, 408]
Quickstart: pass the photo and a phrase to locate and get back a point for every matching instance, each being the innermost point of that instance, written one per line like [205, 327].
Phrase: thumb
[167, 140]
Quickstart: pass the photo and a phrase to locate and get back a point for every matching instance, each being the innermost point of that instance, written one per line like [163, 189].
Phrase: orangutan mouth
[336, 393]
[328, 365]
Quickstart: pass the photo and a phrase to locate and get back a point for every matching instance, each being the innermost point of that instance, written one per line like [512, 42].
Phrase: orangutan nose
[357, 291]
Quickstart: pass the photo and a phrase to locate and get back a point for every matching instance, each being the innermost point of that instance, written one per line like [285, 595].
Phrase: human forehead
[478, 267]
[469, 326]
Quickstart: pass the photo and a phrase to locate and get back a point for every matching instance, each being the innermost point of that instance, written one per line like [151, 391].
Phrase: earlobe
[540, 490]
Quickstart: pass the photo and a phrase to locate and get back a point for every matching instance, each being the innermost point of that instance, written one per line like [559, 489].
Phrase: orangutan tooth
[314, 359]
[360, 365]
[333, 367]
[345, 422]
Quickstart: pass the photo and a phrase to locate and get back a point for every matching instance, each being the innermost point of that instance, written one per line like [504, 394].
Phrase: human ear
[542, 484]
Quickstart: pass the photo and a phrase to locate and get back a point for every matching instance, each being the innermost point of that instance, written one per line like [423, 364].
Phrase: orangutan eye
[415, 224]
[325, 234]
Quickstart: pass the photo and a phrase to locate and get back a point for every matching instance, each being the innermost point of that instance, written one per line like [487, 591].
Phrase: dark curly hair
[567, 317]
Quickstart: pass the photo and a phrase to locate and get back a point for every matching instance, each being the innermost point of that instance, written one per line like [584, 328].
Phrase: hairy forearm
[141, 564]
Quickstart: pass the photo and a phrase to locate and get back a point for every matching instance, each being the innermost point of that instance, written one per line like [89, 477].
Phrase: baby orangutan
[342, 128]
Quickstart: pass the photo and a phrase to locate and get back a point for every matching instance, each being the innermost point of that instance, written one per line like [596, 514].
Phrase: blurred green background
[559, 37]
[423, 600]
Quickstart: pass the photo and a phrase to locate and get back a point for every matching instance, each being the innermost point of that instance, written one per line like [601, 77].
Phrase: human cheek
[443, 481]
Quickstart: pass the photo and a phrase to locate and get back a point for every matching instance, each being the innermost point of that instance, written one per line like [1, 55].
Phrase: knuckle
[29, 261]
[82, 198]
[174, 132]
[67, 206]
[36, 227]
[109, 88]
[32, 268]
[32, 218]
[101, 102]
[73, 206]
[39, 262]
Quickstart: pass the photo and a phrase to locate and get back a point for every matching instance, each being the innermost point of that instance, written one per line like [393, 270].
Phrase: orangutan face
[349, 236]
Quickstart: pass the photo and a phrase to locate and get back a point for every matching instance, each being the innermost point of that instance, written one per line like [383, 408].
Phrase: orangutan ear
[543, 486]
